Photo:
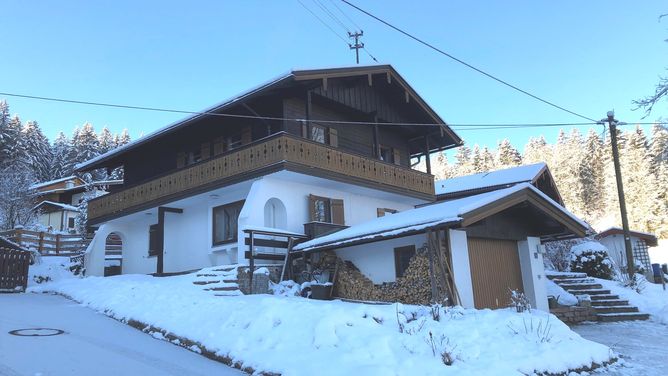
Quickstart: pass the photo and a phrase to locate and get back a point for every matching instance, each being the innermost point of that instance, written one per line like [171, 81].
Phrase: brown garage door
[495, 269]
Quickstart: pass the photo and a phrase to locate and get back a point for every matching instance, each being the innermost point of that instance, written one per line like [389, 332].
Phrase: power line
[331, 15]
[323, 22]
[345, 15]
[342, 122]
[467, 64]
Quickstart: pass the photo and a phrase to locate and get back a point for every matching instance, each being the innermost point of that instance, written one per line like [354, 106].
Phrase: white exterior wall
[461, 267]
[376, 260]
[616, 247]
[188, 236]
[533, 272]
[58, 220]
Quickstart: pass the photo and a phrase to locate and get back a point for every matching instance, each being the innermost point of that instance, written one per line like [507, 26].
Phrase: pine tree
[61, 163]
[12, 149]
[123, 138]
[639, 182]
[487, 157]
[537, 150]
[591, 178]
[105, 141]
[507, 155]
[38, 151]
[476, 160]
[463, 158]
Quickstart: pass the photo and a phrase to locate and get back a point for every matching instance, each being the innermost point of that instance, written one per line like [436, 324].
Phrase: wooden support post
[57, 243]
[287, 257]
[426, 154]
[40, 246]
[376, 137]
[251, 267]
[19, 237]
[432, 276]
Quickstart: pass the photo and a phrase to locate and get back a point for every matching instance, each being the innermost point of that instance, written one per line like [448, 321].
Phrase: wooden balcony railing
[273, 150]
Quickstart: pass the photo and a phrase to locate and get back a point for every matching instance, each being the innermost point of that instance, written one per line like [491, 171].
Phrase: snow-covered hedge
[592, 258]
[297, 336]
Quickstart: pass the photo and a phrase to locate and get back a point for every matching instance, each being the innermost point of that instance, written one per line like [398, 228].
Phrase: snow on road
[642, 345]
[92, 344]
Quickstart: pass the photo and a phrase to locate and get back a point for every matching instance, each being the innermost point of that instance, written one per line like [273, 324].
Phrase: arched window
[275, 215]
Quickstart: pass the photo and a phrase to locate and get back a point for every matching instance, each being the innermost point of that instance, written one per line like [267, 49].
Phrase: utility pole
[357, 45]
[612, 123]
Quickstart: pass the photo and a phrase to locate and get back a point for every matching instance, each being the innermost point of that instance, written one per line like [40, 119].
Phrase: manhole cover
[36, 332]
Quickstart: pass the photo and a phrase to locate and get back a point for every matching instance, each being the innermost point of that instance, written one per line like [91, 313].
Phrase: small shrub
[595, 263]
[519, 301]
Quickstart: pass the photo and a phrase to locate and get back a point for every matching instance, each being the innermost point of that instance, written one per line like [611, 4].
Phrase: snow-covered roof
[47, 183]
[58, 204]
[649, 238]
[499, 178]
[422, 218]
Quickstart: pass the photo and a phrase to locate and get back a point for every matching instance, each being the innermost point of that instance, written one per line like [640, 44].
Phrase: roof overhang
[650, 239]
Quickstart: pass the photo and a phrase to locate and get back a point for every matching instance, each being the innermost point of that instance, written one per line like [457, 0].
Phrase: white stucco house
[324, 156]
[613, 239]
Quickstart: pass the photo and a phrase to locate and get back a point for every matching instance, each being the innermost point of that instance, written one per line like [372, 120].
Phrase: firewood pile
[412, 288]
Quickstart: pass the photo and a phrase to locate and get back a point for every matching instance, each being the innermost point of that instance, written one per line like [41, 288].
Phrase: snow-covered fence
[47, 243]
[14, 269]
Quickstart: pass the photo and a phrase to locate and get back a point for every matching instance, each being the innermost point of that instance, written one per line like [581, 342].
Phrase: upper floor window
[325, 209]
[226, 222]
[381, 212]
[321, 134]
[318, 134]
[390, 154]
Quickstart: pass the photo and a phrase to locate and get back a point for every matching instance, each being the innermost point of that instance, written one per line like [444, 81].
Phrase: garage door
[495, 270]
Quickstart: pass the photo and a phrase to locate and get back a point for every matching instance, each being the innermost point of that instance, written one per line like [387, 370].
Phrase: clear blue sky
[588, 56]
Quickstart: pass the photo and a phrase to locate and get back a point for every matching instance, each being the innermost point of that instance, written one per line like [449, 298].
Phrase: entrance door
[495, 270]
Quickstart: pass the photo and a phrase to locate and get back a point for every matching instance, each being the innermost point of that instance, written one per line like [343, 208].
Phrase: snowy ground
[642, 346]
[93, 344]
[296, 336]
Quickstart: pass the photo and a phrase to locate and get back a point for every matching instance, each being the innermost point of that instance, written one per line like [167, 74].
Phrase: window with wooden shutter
[180, 159]
[218, 145]
[246, 135]
[337, 212]
[333, 137]
[153, 240]
[206, 150]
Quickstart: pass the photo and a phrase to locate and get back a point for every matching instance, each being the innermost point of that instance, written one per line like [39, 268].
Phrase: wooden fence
[13, 269]
[47, 243]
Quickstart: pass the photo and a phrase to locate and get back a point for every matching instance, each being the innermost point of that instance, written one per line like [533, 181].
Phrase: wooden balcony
[277, 152]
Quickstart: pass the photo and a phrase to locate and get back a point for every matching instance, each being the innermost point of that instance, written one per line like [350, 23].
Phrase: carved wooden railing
[269, 151]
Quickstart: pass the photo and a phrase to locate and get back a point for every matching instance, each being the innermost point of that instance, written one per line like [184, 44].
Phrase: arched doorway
[275, 215]
[113, 255]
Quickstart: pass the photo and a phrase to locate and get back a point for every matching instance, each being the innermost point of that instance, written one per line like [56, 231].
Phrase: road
[642, 346]
[92, 344]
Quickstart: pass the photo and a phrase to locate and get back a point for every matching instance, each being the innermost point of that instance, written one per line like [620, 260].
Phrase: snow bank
[50, 268]
[578, 249]
[564, 297]
[296, 336]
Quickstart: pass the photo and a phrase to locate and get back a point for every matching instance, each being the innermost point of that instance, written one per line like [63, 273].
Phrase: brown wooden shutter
[206, 150]
[246, 135]
[311, 207]
[380, 212]
[218, 145]
[397, 156]
[333, 137]
[337, 212]
[180, 159]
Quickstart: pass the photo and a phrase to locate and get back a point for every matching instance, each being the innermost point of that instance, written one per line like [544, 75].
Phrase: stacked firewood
[412, 288]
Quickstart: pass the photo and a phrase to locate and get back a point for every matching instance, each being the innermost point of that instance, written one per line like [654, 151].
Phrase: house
[311, 154]
[58, 200]
[613, 239]
[491, 236]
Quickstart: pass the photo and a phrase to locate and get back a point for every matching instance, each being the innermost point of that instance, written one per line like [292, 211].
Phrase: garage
[495, 270]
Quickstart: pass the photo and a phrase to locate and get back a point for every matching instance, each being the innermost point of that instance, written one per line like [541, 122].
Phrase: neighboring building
[309, 153]
[58, 201]
[613, 239]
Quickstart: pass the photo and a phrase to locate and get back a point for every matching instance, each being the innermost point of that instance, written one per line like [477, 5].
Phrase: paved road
[92, 344]
[642, 345]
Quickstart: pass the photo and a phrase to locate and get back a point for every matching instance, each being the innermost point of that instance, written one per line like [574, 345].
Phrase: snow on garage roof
[422, 218]
[508, 176]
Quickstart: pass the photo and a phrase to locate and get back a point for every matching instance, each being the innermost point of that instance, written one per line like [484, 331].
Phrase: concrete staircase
[219, 280]
[608, 307]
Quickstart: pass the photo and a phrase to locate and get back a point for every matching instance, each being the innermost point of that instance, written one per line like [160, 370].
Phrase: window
[225, 222]
[318, 134]
[70, 222]
[153, 240]
[381, 212]
[386, 154]
[325, 209]
[402, 258]
[233, 142]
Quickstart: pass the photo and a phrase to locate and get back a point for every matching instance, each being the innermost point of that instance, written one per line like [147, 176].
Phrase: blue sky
[588, 56]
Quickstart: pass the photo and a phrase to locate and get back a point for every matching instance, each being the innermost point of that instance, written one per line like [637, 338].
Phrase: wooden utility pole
[612, 123]
[357, 45]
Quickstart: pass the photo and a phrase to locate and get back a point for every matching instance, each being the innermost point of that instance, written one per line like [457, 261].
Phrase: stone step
[574, 280]
[616, 309]
[206, 275]
[566, 276]
[222, 288]
[607, 303]
[581, 286]
[589, 292]
[612, 317]
[227, 269]
[604, 297]
[229, 293]
[212, 281]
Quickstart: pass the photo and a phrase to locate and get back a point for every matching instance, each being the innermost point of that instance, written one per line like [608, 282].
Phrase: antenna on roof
[357, 45]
